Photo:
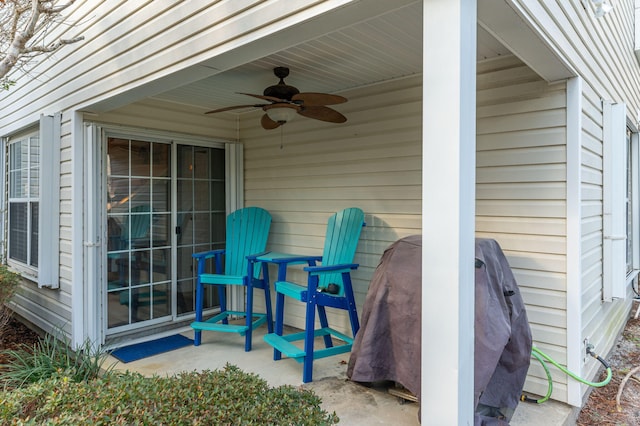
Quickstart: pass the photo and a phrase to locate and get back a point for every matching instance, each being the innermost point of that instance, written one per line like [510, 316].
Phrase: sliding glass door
[165, 201]
[201, 213]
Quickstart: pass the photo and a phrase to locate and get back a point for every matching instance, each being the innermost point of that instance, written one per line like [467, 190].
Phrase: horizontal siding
[312, 169]
[512, 225]
[601, 50]
[52, 309]
[306, 171]
[521, 192]
[158, 115]
[601, 322]
[170, 117]
[128, 44]
[49, 309]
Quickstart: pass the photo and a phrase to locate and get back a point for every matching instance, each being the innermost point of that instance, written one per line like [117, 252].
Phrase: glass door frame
[233, 189]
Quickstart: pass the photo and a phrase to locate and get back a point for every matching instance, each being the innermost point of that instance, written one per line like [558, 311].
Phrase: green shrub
[222, 397]
[8, 285]
[52, 357]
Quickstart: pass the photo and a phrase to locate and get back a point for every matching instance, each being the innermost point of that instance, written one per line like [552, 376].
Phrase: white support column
[235, 200]
[575, 347]
[448, 211]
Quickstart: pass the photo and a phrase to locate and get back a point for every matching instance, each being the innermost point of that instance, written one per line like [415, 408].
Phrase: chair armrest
[297, 259]
[208, 254]
[253, 257]
[331, 268]
[285, 258]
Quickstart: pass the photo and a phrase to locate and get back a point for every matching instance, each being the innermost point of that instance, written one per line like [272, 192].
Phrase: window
[24, 200]
[629, 204]
[33, 240]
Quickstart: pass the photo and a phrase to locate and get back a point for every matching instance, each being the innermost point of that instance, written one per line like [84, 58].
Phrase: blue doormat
[153, 347]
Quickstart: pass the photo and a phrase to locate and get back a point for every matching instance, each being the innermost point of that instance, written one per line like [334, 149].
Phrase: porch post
[448, 211]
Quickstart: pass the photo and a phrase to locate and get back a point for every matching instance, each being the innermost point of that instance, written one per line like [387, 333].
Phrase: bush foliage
[222, 397]
[8, 285]
[54, 385]
[51, 357]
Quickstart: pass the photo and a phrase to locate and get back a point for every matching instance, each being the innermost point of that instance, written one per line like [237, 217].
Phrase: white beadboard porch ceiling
[384, 48]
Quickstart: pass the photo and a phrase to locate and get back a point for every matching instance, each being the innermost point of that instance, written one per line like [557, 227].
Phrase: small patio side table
[283, 260]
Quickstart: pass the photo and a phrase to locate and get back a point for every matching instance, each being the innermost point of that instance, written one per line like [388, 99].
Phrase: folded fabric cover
[387, 347]
[502, 334]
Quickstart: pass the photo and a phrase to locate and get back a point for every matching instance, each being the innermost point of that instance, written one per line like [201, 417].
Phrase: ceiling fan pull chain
[281, 135]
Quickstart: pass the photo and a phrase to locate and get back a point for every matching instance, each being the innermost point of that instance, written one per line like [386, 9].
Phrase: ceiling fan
[286, 101]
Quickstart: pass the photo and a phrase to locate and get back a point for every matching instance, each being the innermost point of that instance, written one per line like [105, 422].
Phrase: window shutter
[49, 217]
[614, 201]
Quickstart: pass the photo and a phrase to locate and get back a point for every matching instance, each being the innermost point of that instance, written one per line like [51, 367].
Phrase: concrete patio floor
[354, 403]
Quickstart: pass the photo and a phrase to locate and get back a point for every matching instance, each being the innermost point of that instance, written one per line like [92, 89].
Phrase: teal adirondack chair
[328, 285]
[247, 232]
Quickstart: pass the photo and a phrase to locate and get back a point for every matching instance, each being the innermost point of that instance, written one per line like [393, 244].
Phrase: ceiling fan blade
[266, 98]
[318, 99]
[233, 107]
[322, 113]
[268, 123]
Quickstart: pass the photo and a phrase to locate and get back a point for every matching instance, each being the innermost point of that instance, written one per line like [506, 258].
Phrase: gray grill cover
[502, 333]
[387, 347]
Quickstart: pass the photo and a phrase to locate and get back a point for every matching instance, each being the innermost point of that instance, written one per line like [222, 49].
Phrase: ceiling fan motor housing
[281, 90]
[286, 101]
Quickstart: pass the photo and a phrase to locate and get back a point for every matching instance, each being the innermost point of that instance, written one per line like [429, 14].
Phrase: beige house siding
[521, 192]
[373, 161]
[601, 50]
[161, 116]
[601, 321]
[50, 309]
[128, 45]
[131, 44]
[307, 170]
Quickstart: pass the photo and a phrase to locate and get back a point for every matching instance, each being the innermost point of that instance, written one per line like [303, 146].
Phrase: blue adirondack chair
[328, 285]
[247, 232]
[135, 235]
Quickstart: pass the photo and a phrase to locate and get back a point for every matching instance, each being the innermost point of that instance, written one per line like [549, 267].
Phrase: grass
[52, 357]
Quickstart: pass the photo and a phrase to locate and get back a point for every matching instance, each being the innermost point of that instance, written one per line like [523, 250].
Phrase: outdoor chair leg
[351, 304]
[249, 317]
[267, 296]
[197, 335]
[307, 372]
[322, 315]
[277, 355]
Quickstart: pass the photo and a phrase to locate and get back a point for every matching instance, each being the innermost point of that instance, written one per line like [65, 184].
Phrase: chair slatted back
[341, 240]
[247, 233]
[136, 227]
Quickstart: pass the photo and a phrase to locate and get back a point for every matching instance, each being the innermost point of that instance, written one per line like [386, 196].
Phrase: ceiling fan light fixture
[281, 113]
[285, 102]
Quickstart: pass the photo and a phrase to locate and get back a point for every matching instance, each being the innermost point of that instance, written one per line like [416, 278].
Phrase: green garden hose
[541, 357]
